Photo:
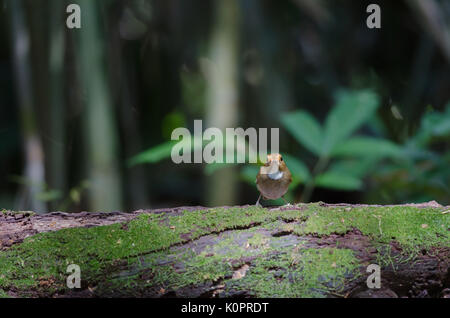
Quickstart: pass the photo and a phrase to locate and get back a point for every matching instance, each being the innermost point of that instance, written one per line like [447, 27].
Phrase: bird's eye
[281, 158]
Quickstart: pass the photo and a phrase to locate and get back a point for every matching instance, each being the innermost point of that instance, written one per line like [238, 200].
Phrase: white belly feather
[276, 175]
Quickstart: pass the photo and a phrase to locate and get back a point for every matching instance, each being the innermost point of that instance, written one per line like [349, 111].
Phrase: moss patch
[46, 256]
[147, 252]
[300, 273]
[274, 271]
[8, 212]
[413, 228]
[3, 294]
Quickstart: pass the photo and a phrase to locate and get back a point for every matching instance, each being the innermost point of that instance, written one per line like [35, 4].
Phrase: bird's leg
[257, 202]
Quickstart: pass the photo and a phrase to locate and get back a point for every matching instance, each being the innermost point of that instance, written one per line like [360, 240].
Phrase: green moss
[300, 273]
[3, 294]
[216, 261]
[258, 240]
[8, 212]
[413, 228]
[95, 250]
[273, 271]
[148, 245]
[316, 272]
[181, 267]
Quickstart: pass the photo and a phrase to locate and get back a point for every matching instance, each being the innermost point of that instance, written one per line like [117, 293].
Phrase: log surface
[272, 253]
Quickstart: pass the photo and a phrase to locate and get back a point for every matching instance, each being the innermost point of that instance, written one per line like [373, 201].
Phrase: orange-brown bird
[273, 179]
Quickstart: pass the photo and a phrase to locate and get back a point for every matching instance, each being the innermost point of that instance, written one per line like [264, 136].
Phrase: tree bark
[100, 129]
[425, 275]
[33, 182]
[222, 94]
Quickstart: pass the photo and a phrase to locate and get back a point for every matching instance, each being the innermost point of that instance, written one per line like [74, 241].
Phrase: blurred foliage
[411, 171]
[342, 160]
[48, 195]
[96, 98]
[422, 172]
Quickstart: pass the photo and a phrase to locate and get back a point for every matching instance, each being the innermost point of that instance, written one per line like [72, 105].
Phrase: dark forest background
[76, 106]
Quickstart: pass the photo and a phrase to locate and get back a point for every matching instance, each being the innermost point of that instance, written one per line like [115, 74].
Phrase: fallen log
[304, 250]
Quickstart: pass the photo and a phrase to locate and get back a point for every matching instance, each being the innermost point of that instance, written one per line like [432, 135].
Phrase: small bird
[273, 179]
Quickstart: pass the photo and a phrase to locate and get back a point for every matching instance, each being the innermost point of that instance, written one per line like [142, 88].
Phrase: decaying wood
[427, 276]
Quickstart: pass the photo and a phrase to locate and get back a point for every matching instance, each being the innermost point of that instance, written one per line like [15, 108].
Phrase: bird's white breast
[276, 175]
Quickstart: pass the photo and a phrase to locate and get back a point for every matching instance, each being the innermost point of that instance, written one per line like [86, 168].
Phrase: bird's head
[274, 164]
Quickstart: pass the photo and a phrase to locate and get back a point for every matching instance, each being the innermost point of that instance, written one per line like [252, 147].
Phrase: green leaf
[367, 147]
[298, 169]
[434, 124]
[305, 129]
[358, 168]
[339, 181]
[351, 111]
[164, 151]
[154, 154]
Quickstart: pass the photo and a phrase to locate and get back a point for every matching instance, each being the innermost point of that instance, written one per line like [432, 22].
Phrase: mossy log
[304, 250]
